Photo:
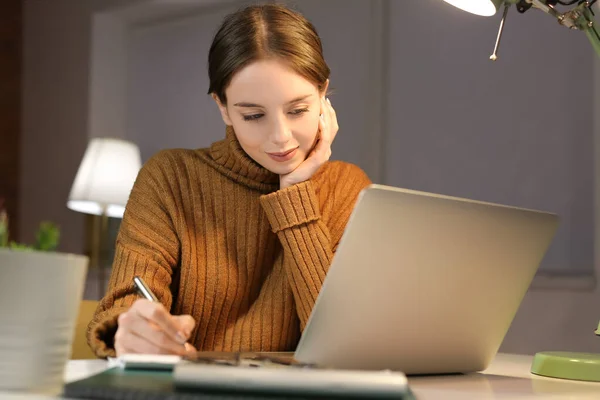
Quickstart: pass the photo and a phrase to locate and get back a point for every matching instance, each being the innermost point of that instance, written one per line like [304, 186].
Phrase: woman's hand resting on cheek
[328, 128]
[147, 327]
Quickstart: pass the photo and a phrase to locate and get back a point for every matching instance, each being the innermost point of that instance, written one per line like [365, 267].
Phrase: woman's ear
[222, 109]
[324, 89]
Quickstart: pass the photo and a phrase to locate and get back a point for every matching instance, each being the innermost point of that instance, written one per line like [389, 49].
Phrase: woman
[235, 240]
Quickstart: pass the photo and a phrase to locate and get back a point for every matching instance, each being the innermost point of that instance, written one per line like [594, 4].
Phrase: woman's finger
[156, 312]
[331, 120]
[143, 328]
[186, 323]
[132, 343]
[324, 127]
[333, 123]
[189, 348]
[320, 154]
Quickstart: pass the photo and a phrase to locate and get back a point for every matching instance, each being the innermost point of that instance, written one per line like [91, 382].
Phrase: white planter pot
[40, 295]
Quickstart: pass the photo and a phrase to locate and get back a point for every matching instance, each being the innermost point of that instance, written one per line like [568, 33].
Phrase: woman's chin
[280, 168]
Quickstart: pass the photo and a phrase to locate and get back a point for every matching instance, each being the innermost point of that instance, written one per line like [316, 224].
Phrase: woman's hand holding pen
[148, 328]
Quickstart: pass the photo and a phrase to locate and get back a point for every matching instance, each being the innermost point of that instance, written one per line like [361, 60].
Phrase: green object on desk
[566, 365]
[125, 384]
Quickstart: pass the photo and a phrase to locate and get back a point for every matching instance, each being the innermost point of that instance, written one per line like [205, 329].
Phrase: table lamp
[557, 364]
[101, 188]
[579, 17]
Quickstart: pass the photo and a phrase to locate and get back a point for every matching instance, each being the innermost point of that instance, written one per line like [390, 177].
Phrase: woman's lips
[283, 156]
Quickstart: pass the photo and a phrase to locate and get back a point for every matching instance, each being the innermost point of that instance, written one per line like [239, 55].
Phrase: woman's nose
[281, 133]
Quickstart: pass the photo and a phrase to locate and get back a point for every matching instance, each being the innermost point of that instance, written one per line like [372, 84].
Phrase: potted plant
[40, 293]
[47, 237]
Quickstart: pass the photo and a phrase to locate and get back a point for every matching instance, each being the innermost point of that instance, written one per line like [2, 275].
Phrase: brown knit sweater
[214, 237]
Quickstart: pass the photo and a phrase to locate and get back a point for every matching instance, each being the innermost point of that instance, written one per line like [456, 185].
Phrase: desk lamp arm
[580, 17]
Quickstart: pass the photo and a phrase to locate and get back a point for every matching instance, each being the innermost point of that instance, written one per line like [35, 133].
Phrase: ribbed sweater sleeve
[309, 240]
[146, 246]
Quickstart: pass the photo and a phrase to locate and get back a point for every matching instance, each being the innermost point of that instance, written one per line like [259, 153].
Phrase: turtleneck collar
[230, 159]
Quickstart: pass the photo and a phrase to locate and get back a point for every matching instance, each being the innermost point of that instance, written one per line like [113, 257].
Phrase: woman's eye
[299, 111]
[252, 117]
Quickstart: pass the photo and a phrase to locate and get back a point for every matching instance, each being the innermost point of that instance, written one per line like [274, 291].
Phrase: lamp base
[566, 365]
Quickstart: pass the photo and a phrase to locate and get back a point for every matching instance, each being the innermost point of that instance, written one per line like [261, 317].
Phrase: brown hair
[262, 32]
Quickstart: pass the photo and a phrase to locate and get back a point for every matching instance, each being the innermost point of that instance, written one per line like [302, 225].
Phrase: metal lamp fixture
[580, 16]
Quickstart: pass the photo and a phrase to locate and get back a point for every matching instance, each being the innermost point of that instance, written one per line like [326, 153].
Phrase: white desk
[508, 377]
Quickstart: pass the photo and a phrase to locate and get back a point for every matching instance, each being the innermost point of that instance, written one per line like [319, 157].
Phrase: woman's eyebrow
[254, 105]
[298, 99]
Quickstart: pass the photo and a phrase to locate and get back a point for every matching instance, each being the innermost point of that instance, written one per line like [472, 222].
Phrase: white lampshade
[105, 177]
[480, 7]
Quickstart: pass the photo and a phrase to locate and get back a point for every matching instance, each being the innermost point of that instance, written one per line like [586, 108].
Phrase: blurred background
[419, 103]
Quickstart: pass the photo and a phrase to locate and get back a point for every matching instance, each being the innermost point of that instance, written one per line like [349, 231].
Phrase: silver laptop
[424, 283]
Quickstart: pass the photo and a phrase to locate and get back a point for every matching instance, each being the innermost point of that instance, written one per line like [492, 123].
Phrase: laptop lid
[423, 283]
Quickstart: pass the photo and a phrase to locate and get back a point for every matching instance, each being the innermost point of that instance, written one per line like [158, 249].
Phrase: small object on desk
[279, 374]
[305, 382]
[567, 365]
[246, 359]
[155, 362]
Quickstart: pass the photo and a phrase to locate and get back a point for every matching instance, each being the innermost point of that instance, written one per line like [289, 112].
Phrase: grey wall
[55, 70]
[517, 131]
[168, 103]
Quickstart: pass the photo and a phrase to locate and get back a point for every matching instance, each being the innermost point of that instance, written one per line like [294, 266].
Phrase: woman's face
[275, 114]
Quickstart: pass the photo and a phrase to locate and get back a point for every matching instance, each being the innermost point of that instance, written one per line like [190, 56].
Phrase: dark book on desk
[121, 384]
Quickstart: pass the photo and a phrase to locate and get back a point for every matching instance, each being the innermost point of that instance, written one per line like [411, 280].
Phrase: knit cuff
[101, 332]
[292, 206]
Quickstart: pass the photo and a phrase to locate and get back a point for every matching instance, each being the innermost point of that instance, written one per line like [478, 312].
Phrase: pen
[144, 289]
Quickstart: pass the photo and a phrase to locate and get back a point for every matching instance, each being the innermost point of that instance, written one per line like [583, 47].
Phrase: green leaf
[3, 229]
[47, 237]
[19, 246]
